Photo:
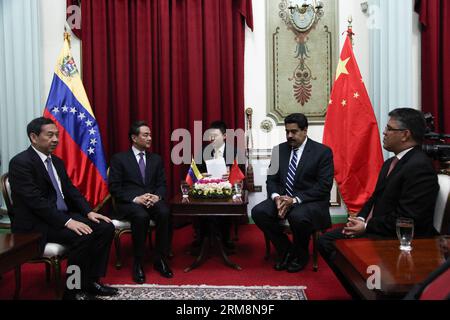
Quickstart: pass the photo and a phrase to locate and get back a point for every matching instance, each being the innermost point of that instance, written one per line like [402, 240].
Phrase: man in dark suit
[407, 187]
[138, 184]
[219, 147]
[45, 201]
[299, 182]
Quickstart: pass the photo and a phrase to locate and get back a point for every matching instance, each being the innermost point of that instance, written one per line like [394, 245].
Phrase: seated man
[407, 187]
[138, 183]
[299, 182]
[217, 148]
[46, 202]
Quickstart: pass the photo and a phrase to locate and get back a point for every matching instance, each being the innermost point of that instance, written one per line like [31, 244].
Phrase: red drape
[435, 20]
[169, 62]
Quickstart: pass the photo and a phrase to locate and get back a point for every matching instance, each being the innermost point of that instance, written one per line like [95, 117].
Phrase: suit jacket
[125, 179]
[410, 191]
[313, 178]
[34, 197]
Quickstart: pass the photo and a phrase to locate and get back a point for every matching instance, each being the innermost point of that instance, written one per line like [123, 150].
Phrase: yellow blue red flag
[193, 174]
[81, 144]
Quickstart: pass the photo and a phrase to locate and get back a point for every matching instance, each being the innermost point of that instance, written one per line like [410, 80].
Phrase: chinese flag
[235, 174]
[351, 131]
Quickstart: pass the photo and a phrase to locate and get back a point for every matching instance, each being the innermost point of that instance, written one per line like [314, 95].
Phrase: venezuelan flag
[193, 174]
[80, 142]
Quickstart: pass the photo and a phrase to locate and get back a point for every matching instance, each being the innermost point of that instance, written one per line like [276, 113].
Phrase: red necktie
[392, 166]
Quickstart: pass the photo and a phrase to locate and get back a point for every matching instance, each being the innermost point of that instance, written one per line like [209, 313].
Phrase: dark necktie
[142, 165]
[291, 174]
[60, 203]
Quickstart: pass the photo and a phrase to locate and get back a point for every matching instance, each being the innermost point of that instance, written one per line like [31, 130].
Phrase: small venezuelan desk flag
[193, 174]
[80, 143]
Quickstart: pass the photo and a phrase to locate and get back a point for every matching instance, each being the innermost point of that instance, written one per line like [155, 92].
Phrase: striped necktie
[291, 174]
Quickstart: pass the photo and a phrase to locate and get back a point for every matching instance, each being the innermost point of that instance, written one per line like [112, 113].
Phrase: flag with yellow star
[351, 131]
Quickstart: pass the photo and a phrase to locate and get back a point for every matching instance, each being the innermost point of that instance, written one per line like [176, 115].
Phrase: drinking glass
[405, 233]
[185, 189]
[238, 189]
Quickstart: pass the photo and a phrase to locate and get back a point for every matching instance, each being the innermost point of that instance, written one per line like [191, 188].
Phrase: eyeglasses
[389, 128]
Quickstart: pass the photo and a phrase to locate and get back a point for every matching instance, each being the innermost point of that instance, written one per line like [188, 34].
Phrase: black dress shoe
[163, 268]
[138, 273]
[99, 289]
[282, 264]
[297, 264]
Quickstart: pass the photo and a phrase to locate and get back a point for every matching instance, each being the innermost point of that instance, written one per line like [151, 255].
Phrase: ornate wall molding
[302, 58]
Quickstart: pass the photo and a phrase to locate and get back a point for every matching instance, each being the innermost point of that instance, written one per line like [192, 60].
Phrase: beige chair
[442, 209]
[287, 229]
[53, 254]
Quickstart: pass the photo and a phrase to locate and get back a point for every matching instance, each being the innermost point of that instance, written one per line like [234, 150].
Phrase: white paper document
[216, 167]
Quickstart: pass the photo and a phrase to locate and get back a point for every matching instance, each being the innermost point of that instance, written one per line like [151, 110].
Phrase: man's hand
[78, 227]
[96, 217]
[354, 227]
[283, 205]
[153, 200]
[143, 200]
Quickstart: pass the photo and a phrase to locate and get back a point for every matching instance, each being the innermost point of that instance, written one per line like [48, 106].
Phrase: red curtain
[169, 62]
[435, 21]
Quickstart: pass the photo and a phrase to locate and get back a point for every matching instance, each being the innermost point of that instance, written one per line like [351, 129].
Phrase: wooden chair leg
[316, 235]
[56, 266]
[267, 255]
[18, 276]
[48, 274]
[118, 252]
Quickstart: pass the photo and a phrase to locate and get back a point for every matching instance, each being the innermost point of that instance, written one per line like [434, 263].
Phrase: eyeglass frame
[389, 128]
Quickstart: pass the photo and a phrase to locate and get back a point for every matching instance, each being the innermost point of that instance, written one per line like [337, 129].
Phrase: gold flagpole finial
[67, 35]
[350, 28]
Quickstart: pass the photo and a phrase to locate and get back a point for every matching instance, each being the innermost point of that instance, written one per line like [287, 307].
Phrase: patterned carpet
[159, 292]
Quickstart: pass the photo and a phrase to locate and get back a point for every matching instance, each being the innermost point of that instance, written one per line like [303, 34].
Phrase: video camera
[435, 145]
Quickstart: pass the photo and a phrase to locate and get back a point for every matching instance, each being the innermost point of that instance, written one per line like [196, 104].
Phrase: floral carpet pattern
[203, 292]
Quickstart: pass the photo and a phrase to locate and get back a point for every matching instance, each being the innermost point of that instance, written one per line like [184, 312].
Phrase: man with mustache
[45, 201]
[299, 182]
[407, 187]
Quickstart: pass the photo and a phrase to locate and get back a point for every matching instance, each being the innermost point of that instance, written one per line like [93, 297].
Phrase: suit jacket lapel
[39, 164]
[384, 178]
[303, 159]
[148, 167]
[285, 156]
[134, 164]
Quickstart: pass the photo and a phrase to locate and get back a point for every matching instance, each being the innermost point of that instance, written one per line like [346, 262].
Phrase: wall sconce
[365, 7]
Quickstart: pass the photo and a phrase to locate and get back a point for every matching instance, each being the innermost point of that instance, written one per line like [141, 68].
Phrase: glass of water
[405, 233]
[238, 189]
[184, 189]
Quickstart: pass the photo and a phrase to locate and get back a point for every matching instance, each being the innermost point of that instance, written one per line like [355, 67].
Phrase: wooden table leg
[18, 282]
[201, 257]
[224, 255]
